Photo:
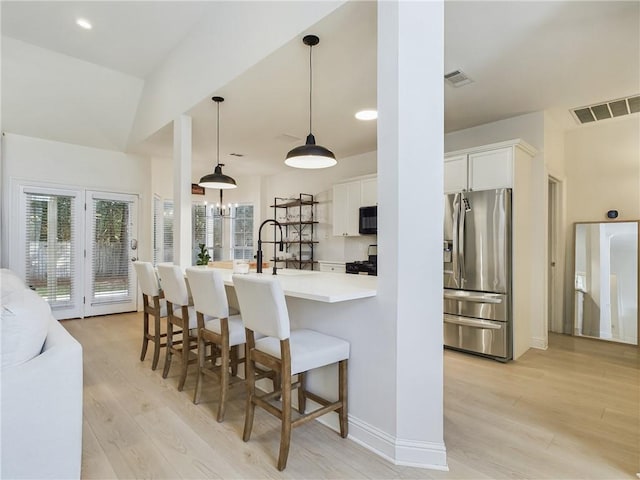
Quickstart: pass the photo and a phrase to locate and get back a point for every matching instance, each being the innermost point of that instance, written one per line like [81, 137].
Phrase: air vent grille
[605, 110]
[457, 78]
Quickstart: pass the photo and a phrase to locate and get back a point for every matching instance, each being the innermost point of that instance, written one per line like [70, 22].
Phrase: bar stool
[180, 314]
[153, 304]
[288, 352]
[224, 331]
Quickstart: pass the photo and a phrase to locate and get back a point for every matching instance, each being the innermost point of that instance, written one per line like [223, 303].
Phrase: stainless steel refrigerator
[477, 273]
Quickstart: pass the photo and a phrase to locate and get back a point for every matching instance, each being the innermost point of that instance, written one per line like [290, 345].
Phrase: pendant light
[217, 179]
[310, 155]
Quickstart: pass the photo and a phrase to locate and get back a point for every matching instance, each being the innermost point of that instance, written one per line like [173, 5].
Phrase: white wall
[57, 97]
[603, 173]
[603, 170]
[320, 184]
[33, 160]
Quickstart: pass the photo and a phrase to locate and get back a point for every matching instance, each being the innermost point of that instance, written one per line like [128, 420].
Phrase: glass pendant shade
[217, 179]
[310, 155]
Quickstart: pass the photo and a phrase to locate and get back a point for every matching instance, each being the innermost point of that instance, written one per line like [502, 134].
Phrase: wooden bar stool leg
[167, 360]
[251, 387]
[224, 378]
[342, 396]
[302, 398]
[157, 340]
[285, 433]
[145, 330]
[234, 360]
[201, 362]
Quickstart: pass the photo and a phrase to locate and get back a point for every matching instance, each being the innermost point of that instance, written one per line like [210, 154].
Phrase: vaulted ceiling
[521, 56]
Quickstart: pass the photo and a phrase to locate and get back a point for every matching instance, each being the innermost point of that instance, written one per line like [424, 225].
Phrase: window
[223, 238]
[202, 229]
[50, 247]
[157, 230]
[167, 231]
[242, 232]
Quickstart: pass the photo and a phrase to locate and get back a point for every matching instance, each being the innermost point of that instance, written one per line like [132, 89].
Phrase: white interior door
[111, 245]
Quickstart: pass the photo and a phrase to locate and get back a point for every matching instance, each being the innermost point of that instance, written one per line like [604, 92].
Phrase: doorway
[76, 249]
[555, 258]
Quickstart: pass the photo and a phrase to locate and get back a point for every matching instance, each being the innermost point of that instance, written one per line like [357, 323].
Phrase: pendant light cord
[218, 138]
[310, 88]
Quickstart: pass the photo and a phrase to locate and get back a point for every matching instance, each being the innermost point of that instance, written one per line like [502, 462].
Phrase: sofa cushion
[9, 283]
[25, 320]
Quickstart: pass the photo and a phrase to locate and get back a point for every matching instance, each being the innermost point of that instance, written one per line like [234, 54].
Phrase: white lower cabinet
[332, 267]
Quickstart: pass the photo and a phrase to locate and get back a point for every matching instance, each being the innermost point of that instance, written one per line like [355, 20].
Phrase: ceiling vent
[610, 109]
[457, 78]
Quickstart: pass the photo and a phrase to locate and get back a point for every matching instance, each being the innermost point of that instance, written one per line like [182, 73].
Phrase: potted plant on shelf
[203, 255]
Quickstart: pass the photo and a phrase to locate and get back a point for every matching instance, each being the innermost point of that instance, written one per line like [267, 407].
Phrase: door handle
[472, 298]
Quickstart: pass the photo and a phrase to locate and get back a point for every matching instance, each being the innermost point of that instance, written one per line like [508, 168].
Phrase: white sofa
[41, 388]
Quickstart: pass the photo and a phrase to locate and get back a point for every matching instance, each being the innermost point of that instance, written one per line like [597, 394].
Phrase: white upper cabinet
[491, 169]
[484, 168]
[369, 192]
[348, 197]
[455, 174]
[346, 205]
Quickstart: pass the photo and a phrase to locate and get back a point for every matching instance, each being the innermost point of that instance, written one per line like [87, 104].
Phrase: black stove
[362, 268]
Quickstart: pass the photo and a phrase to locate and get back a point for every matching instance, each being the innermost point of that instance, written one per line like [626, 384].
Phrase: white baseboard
[539, 343]
[408, 453]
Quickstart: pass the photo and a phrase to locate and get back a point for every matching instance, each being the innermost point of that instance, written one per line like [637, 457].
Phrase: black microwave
[368, 223]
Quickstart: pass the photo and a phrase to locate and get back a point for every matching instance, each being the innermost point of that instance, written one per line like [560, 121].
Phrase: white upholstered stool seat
[236, 329]
[153, 305]
[179, 314]
[287, 352]
[309, 349]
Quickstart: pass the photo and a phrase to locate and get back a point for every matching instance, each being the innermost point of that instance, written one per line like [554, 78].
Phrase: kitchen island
[344, 306]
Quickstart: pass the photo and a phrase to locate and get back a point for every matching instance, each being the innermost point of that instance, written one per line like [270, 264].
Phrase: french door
[76, 249]
[111, 246]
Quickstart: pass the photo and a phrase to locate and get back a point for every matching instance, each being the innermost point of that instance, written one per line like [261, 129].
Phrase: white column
[182, 191]
[410, 197]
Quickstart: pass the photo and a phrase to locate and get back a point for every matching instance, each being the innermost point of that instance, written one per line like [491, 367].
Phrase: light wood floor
[569, 412]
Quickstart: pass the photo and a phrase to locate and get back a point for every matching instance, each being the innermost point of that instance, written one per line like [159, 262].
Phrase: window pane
[49, 246]
[111, 249]
[167, 232]
[243, 233]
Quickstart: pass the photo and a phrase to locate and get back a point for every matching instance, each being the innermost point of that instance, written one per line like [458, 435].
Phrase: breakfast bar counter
[317, 286]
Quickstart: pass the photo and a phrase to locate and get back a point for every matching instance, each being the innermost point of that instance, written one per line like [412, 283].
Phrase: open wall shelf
[297, 217]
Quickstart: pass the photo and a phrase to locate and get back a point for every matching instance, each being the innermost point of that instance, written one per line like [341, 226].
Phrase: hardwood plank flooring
[572, 411]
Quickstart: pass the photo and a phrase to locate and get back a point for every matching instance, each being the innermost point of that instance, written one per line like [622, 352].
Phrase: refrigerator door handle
[472, 298]
[455, 240]
[461, 219]
[472, 322]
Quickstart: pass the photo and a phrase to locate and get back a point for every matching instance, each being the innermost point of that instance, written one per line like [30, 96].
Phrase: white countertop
[318, 286]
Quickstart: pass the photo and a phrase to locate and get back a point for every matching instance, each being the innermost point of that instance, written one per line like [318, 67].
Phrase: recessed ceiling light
[367, 115]
[81, 22]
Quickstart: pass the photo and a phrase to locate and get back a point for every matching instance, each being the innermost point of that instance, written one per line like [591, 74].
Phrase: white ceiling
[522, 56]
